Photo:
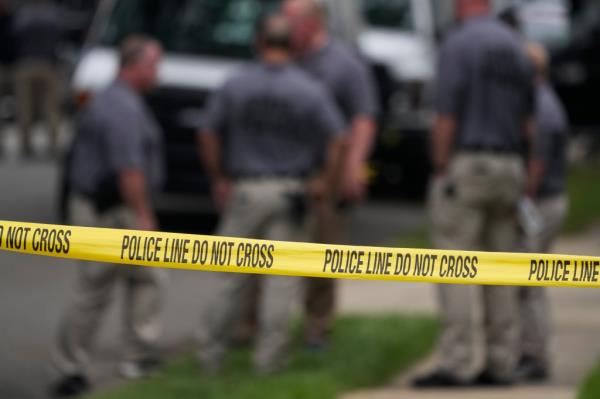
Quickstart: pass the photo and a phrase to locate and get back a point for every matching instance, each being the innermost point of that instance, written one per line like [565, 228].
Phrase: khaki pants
[37, 84]
[95, 290]
[320, 294]
[474, 208]
[533, 301]
[259, 208]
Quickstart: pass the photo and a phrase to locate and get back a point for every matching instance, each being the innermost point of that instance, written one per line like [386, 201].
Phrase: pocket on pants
[441, 199]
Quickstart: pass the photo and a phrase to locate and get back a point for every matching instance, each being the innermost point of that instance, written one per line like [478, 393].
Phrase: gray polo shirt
[485, 81]
[273, 120]
[116, 132]
[346, 77]
[551, 141]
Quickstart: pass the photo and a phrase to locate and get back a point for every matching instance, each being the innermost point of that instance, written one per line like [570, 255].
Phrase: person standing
[7, 57]
[351, 84]
[485, 105]
[549, 194]
[117, 164]
[271, 147]
[37, 32]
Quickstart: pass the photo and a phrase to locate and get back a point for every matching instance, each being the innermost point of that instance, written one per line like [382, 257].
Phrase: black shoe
[438, 380]
[317, 345]
[486, 379]
[529, 370]
[142, 368]
[70, 387]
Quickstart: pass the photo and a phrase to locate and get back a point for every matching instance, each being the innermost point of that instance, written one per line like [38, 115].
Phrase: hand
[440, 172]
[221, 192]
[318, 190]
[530, 191]
[147, 223]
[354, 183]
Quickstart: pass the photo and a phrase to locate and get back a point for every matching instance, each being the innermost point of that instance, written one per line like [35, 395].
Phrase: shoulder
[346, 55]
[498, 32]
[473, 32]
[243, 76]
[115, 103]
[304, 84]
[458, 36]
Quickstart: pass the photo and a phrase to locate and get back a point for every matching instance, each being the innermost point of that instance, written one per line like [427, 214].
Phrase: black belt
[269, 176]
[490, 149]
[105, 197]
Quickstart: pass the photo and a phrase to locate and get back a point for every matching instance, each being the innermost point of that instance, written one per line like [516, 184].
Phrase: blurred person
[272, 148]
[38, 33]
[351, 85]
[548, 192]
[116, 166]
[7, 55]
[484, 122]
[7, 45]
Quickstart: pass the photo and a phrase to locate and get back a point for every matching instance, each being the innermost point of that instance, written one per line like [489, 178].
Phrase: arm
[123, 132]
[536, 166]
[132, 185]
[360, 145]
[360, 92]
[209, 148]
[332, 171]
[442, 140]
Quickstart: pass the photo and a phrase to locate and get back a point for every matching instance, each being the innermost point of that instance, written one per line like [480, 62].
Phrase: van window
[221, 28]
[395, 14]
[546, 22]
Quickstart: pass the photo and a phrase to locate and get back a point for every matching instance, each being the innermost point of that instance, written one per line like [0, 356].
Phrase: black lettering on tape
[532, 269]
[474, 266]
[16, 237]
[221, 253]
[67, 246]
[270, 258]
[328, 259]
[586, 271]
[124, 245]
[200, 252]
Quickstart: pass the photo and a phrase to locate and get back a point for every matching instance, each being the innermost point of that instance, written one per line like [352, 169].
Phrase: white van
[207, 40]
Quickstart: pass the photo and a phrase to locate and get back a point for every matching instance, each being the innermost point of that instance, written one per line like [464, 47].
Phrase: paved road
[34, 291]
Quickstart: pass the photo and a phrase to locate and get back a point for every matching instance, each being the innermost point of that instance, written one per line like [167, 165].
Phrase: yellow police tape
[219, 254]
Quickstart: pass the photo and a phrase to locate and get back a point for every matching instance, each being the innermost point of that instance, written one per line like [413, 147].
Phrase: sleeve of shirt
[542, 146]
[531, 97]
[124, 138]
[360, 91]
[449, 88]
[328, 119]
[19, 23]
[215, 118]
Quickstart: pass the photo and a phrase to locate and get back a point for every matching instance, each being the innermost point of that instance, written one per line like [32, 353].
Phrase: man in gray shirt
[37, 34]
[350, 83]
[485, 104]
[116, 165]
[548, 191]
[271, 146]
